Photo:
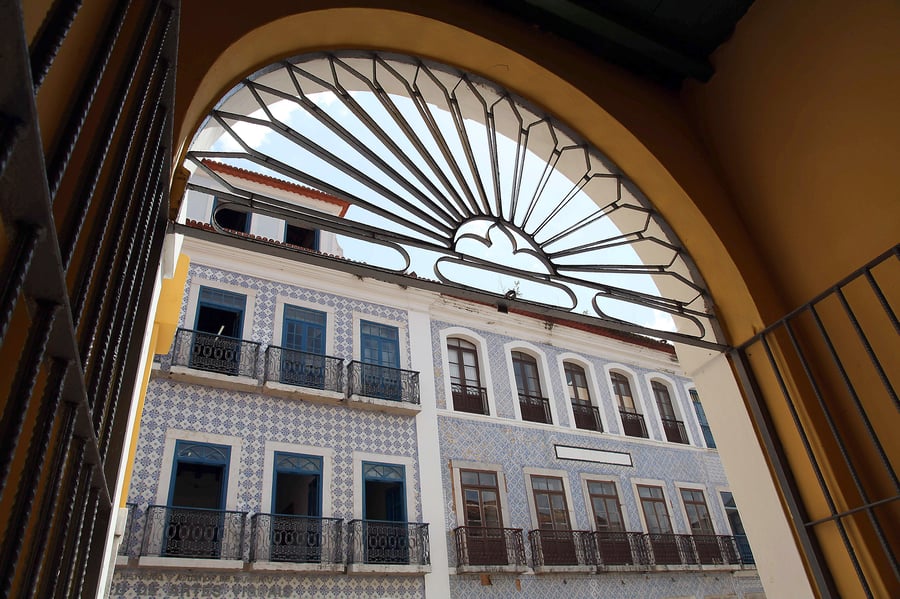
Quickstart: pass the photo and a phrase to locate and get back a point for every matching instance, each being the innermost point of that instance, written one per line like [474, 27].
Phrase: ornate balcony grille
[299, 539]
[215, 353]
[380, 542]
[666, 549]
[619, 548]
[674, 430]
[633, 424]
[587, 416]
[477, 546]
[561, 547]
[469, 399]
[381, 382]
[193, 532]
[535, 408]
[716, 549]
[304, 369]
[128, 533]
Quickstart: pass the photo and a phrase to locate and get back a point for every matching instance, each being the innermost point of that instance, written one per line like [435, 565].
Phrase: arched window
[673, 427]
[465, 378]
[587, 416]
[632, 420]
[532, 403]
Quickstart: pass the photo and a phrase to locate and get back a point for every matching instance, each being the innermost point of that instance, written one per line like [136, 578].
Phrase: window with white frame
[533, 405]
[586, 414]
[633, 423]
[673, 427]
[466, 389]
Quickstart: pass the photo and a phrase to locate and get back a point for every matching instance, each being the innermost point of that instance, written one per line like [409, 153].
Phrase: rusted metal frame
[102, 140]
[109, 358]
[26, 490]
[10, 134]
[135, 287]
[45, 583]
[58, 159]
[74, 532]
[842, 446]
[83, 552]
[781, 469]
[50, 37]
[18, 261]
[50, 501]
[20, 394]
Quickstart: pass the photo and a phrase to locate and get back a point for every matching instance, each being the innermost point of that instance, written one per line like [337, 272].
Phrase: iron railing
[674, 429]
[562, 547]
[304, 369]
[382, 382]
[669, 549]
[744, 551]
[215, 353]
[193, 532]
[469, 399]
[633, 424]
[478, 546]
[382, 542]
[299, 539]
[535, 408]
[587, 416]
[620, 548]
[128, 532]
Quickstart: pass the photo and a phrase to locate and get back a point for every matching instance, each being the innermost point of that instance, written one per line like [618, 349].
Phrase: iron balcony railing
[193, 532]
[535, 408]
[469, 399]
[620, 548]
[215, 353]
[633, 424]
[667, 549]
[478, 546]
[744, 552]
[382, 382]
[382, 542]
[128, 533]
[587, 416]
[674, 429]
[304, 369]
[562, 547]
[298, 539]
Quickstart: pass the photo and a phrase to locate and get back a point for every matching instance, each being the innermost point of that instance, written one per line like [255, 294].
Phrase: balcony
[127, 531]
[620, 548]
[562, 551]
[489, 549]
[633, 424]
[692, 550]
[209, 357]
[377, 546]
[469, 399]
[587, 416]
[535, 408]
[298, 543]
[193, 537]
[382, 388]
[674, 430]
[294, 373]
[744, 552]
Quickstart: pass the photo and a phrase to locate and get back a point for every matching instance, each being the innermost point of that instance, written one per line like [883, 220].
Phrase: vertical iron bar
[58, 160]
[10, 132]
[102, 141]
[73, 532]
[49, 503]
[50, 38]
[23, 385]
[80, 565]
[16, 268]
[34, 465]
[876, 289]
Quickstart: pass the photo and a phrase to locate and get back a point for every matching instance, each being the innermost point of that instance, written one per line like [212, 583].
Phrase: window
[632, 420]
[385, 530]
[296, 523]
[380, 357]
[305, 238]
[612, 541]
[673, 427]
[701, 419]
[663, 543]
[557, 543]
[234, 220]
[587, 416]
[465, 379]
[705, 540]
[737, 528]
[485, 541]
[218, 327]
[533, 405]
[302, 360]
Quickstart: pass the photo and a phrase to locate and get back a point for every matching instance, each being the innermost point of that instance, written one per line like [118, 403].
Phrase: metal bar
[868, 506]
[876, 289]
[15, 269]
[58, 161]
[50, 37]
[23, 383]
[26, 490]
[84, 551]
[781, 469]
[74, 534]
[10, 133]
